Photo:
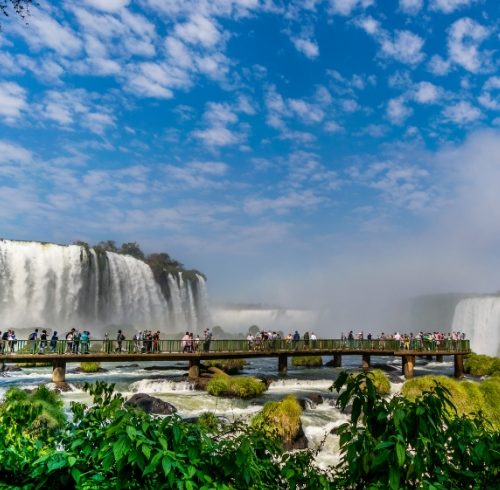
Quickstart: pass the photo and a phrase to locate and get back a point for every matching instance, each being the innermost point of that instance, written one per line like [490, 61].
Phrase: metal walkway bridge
[26, 351]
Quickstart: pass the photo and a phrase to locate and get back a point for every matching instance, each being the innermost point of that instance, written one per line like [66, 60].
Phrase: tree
[20, 7]
[133, 249]
[254, 330]
[106, 246]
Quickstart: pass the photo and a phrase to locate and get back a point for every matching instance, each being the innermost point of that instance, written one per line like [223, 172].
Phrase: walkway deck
[172, 350]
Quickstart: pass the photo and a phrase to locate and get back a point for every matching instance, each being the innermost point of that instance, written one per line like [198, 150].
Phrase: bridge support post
[439, 358]
[337, 360]
[459, 365]
[282, 363]
[194, 369]
[59, 371]
[365, 363]
[408, 366]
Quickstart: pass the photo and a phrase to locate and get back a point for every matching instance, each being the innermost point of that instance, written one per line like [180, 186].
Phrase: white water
[64, 286]
[479, 318]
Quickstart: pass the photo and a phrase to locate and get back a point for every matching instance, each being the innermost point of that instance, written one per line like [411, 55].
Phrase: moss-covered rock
[241, 387]
[481, 365]
[90, 367]
[282, 420]
[381, 381]
[230, 366]
[307, 361]
[469, 397]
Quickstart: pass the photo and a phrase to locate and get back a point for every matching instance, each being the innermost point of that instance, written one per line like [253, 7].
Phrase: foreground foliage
[403, 443]
[396, 443]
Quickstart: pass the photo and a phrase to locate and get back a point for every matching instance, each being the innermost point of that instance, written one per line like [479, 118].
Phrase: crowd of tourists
[409, 341]
[264, 340]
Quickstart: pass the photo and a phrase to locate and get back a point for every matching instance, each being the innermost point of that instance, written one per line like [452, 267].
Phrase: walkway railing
[228, 346]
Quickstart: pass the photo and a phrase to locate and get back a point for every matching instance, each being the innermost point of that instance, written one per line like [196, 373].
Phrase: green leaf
[166, 464]
[394, 477]
[146, 450]
[132, 433]
[400, 453]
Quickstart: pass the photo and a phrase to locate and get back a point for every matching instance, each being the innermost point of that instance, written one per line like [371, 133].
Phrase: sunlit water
[172, 385]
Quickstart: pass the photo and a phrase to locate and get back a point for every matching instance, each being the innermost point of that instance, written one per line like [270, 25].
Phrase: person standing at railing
[33, 340]
[84, 342]
[313, 340]
[53, 342]
[43, 342]
[12, 341]
[207, 340]
[119, 341]
[3, 341]
[296, 340]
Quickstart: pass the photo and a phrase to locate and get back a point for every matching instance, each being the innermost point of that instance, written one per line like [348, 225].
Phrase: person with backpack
[32, 338]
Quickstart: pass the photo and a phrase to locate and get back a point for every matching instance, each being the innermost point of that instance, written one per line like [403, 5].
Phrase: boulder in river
[150, 404]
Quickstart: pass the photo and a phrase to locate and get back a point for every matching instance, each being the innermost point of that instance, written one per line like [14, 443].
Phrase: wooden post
[282, 363]
[59, 371]
[459, 365]
[365, 364]
[337, 360]
[408, 366]
[194, 369]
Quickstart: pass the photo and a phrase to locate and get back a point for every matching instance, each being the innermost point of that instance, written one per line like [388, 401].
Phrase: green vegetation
[230, 366]
[90, 367]
[468, 397]
[279, 419]
[241, 387]
[411, 444]
[481, 365]
[107, 446]
[385, 444]
[307, 361]
[380, 380]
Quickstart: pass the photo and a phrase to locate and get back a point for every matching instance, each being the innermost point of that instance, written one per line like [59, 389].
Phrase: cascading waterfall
[64, 286]
[479, 318]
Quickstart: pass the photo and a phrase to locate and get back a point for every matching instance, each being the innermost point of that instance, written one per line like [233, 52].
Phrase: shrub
[242, 387]
[307, 361]
[468, 397]
[90, 367]
[230, 366]
[481, 365]
[380, 380]
[279, 419]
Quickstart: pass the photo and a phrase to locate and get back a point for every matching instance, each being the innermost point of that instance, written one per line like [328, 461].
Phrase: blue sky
[297, 152]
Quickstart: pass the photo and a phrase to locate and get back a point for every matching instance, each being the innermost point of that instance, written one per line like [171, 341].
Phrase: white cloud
[369, 25]
[405, 47]
[462, 113]
[333, 127]
[346, 7]
[487, 99]
[12, 101]
[449, 6]
[197, 175]
[198, 30]
[465, 36]
[397, 111]
[45, 31]
[438, 66]
[307, 47]
[308, 113]
[108, 5]
[426, 93]
[13, 153]
[283, 204]
[411, 7]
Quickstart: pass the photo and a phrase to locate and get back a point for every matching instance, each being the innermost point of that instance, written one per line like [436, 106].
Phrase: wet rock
[150, 404]
[300, 441]
[11, 369]
[62, 387]
[79, 370]
[128, 366]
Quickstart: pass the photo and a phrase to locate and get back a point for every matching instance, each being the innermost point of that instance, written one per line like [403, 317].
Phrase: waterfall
[479, 318]
[47, 285]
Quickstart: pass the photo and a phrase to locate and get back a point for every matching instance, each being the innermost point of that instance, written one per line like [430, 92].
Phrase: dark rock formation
[150, 404]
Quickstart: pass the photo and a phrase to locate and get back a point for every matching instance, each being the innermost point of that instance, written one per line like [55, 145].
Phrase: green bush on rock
[279, 419]
[307, 361]
[468, 397]
[242, 387]
[481, 365]
[90, 367]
